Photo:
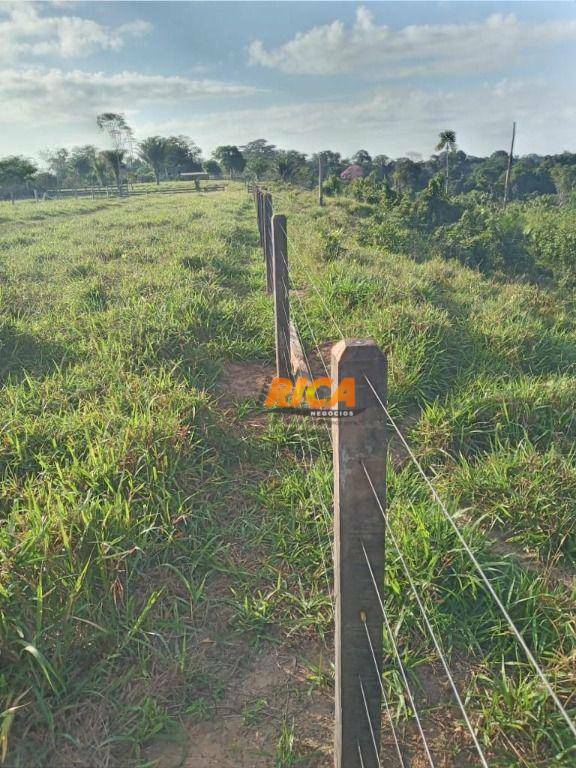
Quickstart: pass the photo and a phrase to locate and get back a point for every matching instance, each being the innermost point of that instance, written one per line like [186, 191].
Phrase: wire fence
[365, 707]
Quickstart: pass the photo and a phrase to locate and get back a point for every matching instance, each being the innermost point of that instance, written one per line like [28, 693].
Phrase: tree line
[159, 158]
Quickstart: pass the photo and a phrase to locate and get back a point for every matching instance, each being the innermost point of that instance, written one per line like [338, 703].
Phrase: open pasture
[160, 535]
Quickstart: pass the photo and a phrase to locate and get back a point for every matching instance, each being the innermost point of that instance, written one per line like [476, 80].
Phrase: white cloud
[394, 120]
[30, 93]
[384, 52]
[25, 32]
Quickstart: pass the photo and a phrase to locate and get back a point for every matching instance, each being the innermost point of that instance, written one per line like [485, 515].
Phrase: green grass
[138, 511]
[483, 372]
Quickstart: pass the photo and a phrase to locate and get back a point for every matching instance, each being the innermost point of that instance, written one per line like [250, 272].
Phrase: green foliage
[154, 151]
[564, 177]
[551, 233]
[331, 244]
[15, 170]
[213, 168]
[141, 504]
[290, 166]
[230, 158]
[487, 239]
[333, 185]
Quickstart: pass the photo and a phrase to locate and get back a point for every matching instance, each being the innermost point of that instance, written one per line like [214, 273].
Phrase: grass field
[155, 526]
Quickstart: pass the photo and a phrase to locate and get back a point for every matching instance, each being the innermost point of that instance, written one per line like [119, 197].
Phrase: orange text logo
[317, 395]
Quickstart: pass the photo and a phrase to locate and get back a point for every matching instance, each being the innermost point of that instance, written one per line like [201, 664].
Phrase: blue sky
[385, 76]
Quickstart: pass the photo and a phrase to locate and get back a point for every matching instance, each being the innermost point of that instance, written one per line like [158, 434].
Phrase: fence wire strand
[374, 742]
[515, 631]
[360, 755]
[439, 651]
[399, 661]
[384, 696]
[441, 505]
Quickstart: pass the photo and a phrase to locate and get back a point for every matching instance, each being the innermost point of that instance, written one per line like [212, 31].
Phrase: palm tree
[113, 159]
[100, 167]
[154, 150]
[447, 143]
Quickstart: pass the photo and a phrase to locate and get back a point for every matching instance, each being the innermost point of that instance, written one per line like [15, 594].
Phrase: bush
[333, 185]
[331, 244]
[551, 234]
[486, 239]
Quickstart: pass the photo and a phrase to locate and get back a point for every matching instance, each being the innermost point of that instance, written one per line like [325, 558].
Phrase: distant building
[352, 172]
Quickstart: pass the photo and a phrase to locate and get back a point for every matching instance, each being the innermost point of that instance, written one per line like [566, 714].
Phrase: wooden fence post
[281, 296]
[260, 214]
[359, 445]
[267, 237]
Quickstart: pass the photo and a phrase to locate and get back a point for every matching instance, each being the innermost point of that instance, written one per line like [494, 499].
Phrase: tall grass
[140, 510]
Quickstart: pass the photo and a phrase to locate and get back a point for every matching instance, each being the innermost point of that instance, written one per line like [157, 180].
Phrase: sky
[383, 76]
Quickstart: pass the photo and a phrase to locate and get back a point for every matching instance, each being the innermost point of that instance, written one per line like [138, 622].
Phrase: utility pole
[509, 168]
[320, 181]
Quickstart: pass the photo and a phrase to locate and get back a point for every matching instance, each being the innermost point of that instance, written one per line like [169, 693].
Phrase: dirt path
[276, 704]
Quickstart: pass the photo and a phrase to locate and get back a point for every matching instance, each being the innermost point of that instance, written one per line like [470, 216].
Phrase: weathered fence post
[359, 446]
[267, 236]
[281, 296]
[260, 213]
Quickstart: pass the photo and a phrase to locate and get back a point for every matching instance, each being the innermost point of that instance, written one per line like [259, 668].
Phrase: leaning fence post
[281, 296]
[267, 236]
[359, 447]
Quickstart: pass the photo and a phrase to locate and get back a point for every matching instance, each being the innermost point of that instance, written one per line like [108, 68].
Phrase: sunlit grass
[128, 491]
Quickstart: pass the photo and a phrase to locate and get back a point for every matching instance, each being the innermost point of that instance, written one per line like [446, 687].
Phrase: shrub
[551, 234]
[486, 239]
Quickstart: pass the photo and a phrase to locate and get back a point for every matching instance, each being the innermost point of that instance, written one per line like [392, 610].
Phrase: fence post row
[359, 453]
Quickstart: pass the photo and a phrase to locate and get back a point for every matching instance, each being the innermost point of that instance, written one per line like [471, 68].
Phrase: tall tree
[230, 158]
[113, 158]
[257, 166]
[406, 175]
[331, 162]
[82, 162]
[564, 177]
[362, 157]
[182, 154]
[121, 136]
[100, 168]
[447, 144]
[154, 150]
[57, 161]
[288, 164]
[258, 148]
[211, 167]
[16, 170]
